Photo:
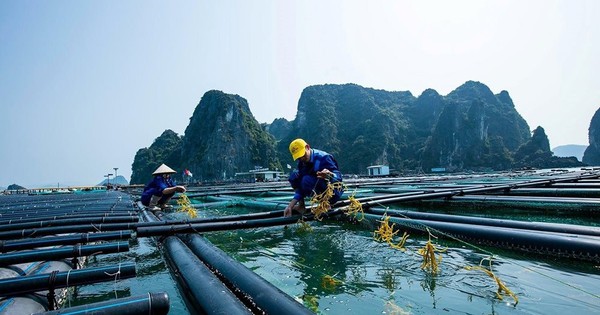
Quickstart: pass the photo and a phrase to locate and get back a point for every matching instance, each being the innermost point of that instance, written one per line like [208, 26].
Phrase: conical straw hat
[163, 169]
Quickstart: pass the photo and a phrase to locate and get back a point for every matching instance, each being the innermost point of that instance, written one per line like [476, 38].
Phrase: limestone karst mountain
[471, 128]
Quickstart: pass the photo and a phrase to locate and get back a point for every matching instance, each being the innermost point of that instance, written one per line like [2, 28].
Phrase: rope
[149, 304]
[68, 293]
[98, 229]
[116, 275]
[51, 294]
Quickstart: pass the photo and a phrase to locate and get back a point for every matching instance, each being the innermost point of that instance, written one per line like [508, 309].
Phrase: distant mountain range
[119, 180]
[575, 150]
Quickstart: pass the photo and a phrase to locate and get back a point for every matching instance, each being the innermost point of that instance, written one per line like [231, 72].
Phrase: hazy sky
[85, 84]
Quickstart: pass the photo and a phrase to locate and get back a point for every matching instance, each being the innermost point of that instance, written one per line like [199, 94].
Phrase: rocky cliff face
[223, 138]
[591, 156]
[359, 126]
[468, 129]
[475, 130]
[279, 128]
[165, 149]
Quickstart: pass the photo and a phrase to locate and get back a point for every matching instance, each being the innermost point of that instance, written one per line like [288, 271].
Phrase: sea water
[335, 267]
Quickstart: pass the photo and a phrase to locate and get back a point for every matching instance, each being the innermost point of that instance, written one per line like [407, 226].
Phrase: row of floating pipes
[45, 241]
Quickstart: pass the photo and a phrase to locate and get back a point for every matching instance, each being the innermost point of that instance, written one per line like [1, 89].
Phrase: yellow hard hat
[297, 148]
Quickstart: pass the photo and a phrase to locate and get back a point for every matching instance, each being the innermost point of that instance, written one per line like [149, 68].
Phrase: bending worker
[159, 191]
[315, 169]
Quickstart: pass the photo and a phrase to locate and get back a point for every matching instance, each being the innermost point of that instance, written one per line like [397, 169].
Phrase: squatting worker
[315, 169]
[160, 190]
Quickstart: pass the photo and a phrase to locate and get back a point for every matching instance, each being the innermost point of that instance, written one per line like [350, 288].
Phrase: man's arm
[329, 169]
[174, 189]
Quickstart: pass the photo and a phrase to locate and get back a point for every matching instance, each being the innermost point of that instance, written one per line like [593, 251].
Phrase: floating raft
[44, 239]
[45, 242]
[581, 242]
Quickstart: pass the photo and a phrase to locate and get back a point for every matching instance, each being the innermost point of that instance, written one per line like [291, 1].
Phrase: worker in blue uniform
[316, 169]
[161, 189]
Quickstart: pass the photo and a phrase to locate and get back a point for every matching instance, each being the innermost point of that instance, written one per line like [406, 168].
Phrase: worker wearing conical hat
[161, 189]
[315, 169]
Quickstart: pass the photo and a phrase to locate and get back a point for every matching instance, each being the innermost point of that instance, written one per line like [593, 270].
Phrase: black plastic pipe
[39, 214]
[249, 216]
[449, 193]
[556, 192]
[65, 229]
[12, 245]
[553, 244]
[34, 283]
[203, 289]
[147, 304]
[576, 185]
[214, 226]
[266, 296]
[69, 221]
[524, 225]
[533, 199]
[61, 253]
[74, 216]
[60, 211]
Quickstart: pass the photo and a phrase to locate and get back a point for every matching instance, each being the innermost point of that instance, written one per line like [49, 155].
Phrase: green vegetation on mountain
[223, 138]
[165, 149]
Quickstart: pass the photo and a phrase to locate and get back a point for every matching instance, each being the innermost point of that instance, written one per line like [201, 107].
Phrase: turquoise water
[372, 277]
[152, 275]
[376, 279]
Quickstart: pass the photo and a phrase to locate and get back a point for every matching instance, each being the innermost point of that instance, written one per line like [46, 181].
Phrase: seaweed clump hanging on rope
[322, 200]
[354, 208]
[386, 233]
[430, 261]
[185, 205]
[501, 286]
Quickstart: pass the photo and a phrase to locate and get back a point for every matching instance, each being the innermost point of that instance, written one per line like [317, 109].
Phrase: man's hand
[287, 212]
[325, 174]
[180, 189]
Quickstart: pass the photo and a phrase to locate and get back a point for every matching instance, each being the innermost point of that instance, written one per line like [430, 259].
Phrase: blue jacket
[319, 160]
[156, 187]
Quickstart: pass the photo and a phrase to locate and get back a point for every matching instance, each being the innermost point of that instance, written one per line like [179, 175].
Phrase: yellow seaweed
[386, 233]
[186, 206]
[430, 261]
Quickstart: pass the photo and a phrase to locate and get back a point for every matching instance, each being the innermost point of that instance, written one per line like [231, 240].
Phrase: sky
[85, 84]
